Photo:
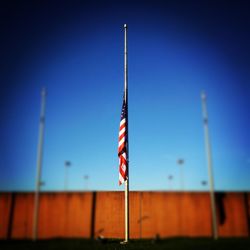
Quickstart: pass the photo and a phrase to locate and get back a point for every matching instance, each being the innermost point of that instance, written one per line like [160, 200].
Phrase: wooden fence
[91, 214]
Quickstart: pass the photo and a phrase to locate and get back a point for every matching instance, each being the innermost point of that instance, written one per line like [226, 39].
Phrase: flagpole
[39, 164]
[209, 161]
[126, 101]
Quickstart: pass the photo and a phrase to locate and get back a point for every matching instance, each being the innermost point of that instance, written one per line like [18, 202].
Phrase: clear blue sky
[75, 49]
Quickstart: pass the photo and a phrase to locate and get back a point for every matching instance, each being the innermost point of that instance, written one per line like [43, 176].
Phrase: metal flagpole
[39, 163]
[126, 100]
[209, 161]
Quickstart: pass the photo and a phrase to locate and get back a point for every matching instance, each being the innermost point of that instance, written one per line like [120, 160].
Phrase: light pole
[170, 178]
[86, 177]
[203, 183]
[39, 164]
[180, 162]
[67, 165]
[209, 164]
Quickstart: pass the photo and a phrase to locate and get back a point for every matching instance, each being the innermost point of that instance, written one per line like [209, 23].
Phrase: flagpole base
[124, 242]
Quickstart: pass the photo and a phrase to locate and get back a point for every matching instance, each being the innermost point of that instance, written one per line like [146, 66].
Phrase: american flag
[122, 148]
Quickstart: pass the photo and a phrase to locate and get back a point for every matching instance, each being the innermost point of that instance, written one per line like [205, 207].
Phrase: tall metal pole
[67, 164]
[170, 178]
[180, 162]
[209, 163]
[126, 100]
[39, 163]
[86, 177]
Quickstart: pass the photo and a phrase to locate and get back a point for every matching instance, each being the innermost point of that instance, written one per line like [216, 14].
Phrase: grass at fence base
[172, 243]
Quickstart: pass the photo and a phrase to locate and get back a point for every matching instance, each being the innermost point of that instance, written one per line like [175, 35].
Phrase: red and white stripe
[122, 152]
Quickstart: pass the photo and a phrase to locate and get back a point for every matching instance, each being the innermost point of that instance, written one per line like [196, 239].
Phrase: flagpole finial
[125, 25]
